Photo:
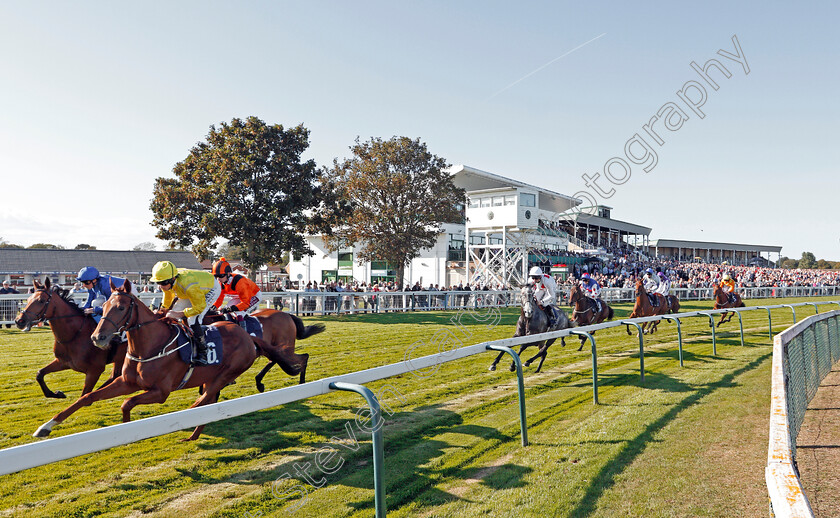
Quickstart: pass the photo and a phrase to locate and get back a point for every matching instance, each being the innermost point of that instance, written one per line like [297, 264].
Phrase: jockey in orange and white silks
[246, 295]
[727, 284]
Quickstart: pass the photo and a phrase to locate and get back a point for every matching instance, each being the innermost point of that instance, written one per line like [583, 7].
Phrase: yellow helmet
[163, 271]
[726, 277]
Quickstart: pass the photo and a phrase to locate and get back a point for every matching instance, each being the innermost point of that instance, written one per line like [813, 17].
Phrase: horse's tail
[610, 313]
[306, 331]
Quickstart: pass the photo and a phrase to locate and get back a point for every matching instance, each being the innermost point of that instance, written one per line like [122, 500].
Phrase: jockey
[99, 289]
[651, 284]
[246, 295]
[545, 291]
[727, 284]
[664, 284]
[591, 289]
[196, 291]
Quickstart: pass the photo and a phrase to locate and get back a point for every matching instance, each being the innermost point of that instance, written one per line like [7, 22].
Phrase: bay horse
[280, 330]
[71, 328]
[673, 303]
[722, 302]
[150, 365]
[644, 308]
[586, 311]
[532, 321]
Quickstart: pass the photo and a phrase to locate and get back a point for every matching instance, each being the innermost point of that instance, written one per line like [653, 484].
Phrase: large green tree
[808, 260]
[391, 198]
[245, 183]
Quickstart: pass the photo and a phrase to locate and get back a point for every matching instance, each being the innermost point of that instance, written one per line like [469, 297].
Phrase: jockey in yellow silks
[196, 290]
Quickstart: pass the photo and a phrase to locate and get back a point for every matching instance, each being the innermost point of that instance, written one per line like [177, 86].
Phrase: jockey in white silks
[545, 291]
[664, 285]
[651, 284]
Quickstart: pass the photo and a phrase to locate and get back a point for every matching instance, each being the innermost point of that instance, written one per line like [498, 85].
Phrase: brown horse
[673, 303]
[150, 365]
[722, 302]
[73, 348]
[644, 308]
[586, 311]
[279, 333]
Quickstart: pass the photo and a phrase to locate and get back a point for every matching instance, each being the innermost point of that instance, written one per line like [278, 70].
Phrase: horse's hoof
[527, 364]
[512, 368]
[41, 433]
[260, 387]
[492, 368]
[58, 395]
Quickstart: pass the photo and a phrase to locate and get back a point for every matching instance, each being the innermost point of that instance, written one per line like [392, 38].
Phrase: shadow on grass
[508, 315]
[606, 477]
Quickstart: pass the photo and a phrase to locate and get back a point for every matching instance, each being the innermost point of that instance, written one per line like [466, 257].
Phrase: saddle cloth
[214, 345]
[654, 300]
[252, 326]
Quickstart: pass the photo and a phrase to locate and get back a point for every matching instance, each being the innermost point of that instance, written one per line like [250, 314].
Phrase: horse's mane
[67, 297]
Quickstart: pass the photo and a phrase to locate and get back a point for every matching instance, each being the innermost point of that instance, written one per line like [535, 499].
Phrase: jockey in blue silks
[99, 289]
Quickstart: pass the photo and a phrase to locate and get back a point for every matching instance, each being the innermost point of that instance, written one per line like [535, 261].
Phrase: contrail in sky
[542, 67]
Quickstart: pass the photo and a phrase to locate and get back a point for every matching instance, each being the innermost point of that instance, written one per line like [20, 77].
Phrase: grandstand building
[20, 266]
[712, 252]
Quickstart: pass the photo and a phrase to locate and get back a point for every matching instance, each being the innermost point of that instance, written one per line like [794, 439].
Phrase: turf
[686, 442]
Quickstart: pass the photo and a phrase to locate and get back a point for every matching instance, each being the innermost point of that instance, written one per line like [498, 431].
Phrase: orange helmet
[221, 267]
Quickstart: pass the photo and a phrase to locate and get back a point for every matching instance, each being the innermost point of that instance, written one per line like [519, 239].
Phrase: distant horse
[644, 308]
[722, 302]
[586, 310]
[150, 365]
[673, 303]
[73, 348]
[532, 321]
[279, 333]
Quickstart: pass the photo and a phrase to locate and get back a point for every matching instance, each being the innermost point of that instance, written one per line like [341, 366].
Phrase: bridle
[42, 316]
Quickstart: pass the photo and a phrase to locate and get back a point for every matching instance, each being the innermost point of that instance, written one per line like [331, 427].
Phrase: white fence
[803, 355]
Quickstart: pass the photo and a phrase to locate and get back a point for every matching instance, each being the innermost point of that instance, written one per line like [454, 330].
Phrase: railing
[26, 456]
[802, 356]
[328, 303]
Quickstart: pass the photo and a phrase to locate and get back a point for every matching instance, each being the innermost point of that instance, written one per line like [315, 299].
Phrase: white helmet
[536, 271]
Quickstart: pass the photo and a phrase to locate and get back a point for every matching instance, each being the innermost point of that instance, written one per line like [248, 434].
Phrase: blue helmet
[88, 273]
[650, 271]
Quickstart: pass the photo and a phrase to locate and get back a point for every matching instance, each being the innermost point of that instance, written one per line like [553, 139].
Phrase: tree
[808, 260]
[83, 246]
[46, 245]
[391, 198]
[145, 246]
[246, 183]
[6, 244]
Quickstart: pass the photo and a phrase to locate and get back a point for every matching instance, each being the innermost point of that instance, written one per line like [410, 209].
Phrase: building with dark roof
[20, 265]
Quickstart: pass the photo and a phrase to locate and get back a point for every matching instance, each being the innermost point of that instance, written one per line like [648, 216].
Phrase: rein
[42, 317]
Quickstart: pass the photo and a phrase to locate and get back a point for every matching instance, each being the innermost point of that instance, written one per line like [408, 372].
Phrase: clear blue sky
[97, 99]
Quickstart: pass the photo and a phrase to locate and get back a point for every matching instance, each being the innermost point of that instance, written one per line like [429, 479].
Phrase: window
[473, 203]
[485, 202]
[527, 200]
[498, 201]
[510, 200]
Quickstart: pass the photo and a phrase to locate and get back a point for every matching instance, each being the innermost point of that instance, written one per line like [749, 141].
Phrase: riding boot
[200, 341]
[240, 319]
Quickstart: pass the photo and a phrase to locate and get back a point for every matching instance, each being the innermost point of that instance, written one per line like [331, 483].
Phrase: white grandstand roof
[472, 180]
[711, 245]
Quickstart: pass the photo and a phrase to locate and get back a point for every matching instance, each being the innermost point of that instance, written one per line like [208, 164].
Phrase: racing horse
[71, 328]
[644, 308]
[280, 330]
[532, 321]
[586, 310]
[150, 365]
[722, 302]
[673, 303]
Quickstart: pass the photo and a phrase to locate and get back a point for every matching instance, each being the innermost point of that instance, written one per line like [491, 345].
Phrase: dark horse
[644, 308]
[279, 333]
[150, 365]
[673, 303]
[586, 310]
[722, 302]
[532, 321]
[73, 348]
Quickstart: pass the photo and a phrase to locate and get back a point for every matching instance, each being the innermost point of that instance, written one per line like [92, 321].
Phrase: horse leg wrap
[45, 429]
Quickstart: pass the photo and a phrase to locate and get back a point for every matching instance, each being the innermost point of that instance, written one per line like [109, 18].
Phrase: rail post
[741, 326]
[641, 347]
[378, 449]
[769, 320]
[712, 325]
[679, 336]
[594, 362]
[792, 309]
[817, 309]
[520, 387]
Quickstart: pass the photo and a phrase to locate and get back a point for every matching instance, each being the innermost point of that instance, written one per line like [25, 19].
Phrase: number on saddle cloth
[214, 345]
